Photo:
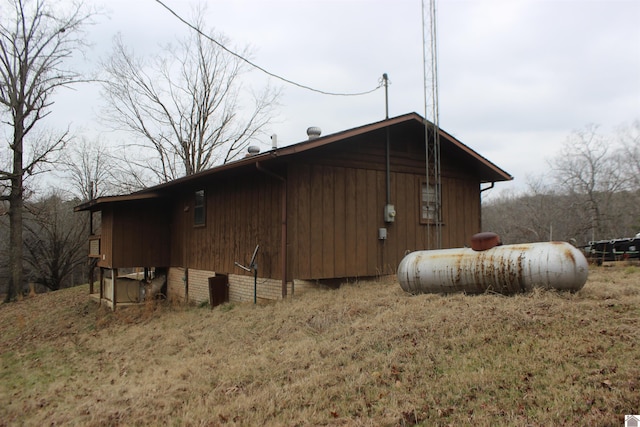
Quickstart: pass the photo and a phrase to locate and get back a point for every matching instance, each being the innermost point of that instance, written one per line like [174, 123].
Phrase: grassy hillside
[365, 354]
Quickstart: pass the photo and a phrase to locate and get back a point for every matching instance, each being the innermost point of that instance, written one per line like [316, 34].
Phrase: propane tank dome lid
[485, 240]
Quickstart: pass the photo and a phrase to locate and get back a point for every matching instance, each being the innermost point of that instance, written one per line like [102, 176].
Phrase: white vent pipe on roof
[252, 150]
[313, 132]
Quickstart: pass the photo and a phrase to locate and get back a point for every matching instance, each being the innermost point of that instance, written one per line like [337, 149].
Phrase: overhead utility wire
[254, 65]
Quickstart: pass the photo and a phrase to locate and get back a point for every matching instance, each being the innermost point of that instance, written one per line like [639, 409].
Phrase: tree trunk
[36, 39]
[15, 240]
[16, 204]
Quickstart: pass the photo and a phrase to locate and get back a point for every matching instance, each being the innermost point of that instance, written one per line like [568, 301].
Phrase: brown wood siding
[461, 208]
[350, 237]
[336, 194]
[241, 212]
[340, 239]
[106, 239]
[177, 233]
[360, 268]
[340, 226]
[141, 235]
[336, 202]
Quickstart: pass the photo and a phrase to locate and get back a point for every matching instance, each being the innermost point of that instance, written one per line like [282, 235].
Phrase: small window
[428, 203]
[199, 211]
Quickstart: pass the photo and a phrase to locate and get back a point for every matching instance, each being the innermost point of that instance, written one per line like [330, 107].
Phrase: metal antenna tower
[432, 128]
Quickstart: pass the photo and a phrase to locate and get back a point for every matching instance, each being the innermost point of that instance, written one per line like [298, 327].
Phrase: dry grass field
[365, 354]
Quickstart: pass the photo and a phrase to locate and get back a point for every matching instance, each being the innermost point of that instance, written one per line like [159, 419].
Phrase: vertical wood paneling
[217, 218]
[403, 217]
[374, 215]
[381, 200]
[416, 234]
[450, 211]
[177, 233]
[232, 203]
[258, 234]
[335, 202]
[106, 239]
[350, 210]
[398, 242]
[242, 208]
[462, 213]
[340, 219]
[223, 213]
[304, 223]
[351, 223]
[140, 234]
[255, 237]
[474, 202]
[328, 221]
[316, 212]
[334, 214]
[241, 213]
[361, 222]
[274, 205]
[293, 197]
[247, 237]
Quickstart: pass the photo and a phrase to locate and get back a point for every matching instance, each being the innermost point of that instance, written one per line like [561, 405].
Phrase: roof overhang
[97, 204]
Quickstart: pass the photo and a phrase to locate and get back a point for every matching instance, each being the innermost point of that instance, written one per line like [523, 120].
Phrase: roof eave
[101, 201]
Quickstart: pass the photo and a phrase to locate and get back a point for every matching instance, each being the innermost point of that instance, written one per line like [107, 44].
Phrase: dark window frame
[199, 208]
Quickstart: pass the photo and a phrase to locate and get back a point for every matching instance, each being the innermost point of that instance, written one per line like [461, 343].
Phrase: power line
[254, 65]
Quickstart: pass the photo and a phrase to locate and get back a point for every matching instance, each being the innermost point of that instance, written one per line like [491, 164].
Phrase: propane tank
[507, 269]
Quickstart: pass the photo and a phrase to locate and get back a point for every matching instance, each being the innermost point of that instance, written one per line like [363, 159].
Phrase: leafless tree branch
[36, 38]
[185, 105]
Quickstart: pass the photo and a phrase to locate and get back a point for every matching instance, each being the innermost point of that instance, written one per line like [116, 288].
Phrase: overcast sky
[515, 77]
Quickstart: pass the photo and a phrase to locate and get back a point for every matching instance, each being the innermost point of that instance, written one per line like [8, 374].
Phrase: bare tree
[185, 105]
[35, 41]
[630, 163]
[589, 169]
[55, 242]
[591, 194]
[89, 168]
[630, 166]
[537, 214]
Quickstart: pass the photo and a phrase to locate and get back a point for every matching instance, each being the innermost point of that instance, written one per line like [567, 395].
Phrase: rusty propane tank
[504, 269]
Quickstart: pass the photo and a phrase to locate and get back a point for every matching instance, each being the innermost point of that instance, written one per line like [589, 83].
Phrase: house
[345, 205]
